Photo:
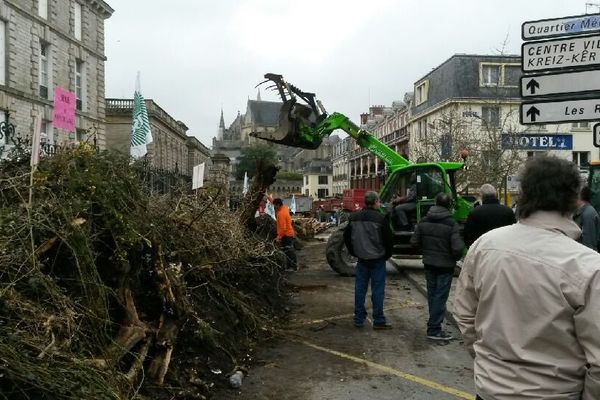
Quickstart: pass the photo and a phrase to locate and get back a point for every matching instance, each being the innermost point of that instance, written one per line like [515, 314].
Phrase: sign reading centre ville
[561, 53]
[575, 25]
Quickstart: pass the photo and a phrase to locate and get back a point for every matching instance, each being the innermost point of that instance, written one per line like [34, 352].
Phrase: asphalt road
[323, 356]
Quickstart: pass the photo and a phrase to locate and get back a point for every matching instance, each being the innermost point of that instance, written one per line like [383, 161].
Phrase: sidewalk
[414, 272]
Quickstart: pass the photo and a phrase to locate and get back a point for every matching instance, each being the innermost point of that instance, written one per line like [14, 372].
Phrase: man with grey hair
[528, 296]
[368, 237]
[489, 215]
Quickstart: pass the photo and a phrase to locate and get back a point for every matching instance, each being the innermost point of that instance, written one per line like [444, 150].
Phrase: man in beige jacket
[528, 297]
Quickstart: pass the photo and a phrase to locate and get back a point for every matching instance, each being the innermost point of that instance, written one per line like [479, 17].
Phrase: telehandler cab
[304, 123]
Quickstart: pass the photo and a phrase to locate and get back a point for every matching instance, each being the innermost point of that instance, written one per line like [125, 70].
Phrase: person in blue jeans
[438, 236]
[368, 237]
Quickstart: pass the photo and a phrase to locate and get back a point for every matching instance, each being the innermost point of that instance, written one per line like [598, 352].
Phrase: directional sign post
[572, 92]
[597, 135]
[542, 112]
[563, 83]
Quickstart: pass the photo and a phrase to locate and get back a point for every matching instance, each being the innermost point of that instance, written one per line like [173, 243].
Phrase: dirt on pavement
[321, 355]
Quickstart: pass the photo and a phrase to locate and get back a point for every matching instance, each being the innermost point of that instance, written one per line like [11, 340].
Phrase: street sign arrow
[542, 112]
[532, 85]
[532, 113]
[561, 53]
[561, 83]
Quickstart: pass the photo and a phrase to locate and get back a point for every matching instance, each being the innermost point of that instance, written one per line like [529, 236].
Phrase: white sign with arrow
[561, 53]
[597, 135]
[542, 112]
[563, 83]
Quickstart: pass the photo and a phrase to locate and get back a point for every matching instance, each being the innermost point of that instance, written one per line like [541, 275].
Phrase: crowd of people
[527, 299]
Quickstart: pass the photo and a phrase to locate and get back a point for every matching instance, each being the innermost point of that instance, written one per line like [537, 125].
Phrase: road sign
[512, 183]
[561, 53]
[541, 112]
[566, 26]
[597, 135]
[561, 83]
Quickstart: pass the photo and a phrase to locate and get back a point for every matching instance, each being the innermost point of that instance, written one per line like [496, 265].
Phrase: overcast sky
[198, 56]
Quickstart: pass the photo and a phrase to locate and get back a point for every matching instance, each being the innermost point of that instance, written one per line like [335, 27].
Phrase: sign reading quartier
[566, 26]
[561, 53]
[542, 112]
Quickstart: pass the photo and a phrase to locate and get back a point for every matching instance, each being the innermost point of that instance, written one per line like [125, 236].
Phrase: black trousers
[478, 398]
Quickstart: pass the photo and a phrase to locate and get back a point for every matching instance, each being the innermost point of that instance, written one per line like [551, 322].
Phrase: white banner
[198, 176]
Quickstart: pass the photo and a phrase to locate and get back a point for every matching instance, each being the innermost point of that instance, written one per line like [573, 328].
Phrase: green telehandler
[304, 123]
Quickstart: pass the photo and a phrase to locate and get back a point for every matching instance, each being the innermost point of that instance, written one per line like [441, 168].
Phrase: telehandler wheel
[337, 254]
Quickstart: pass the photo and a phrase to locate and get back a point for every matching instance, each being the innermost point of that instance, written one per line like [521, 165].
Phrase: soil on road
[323, 356]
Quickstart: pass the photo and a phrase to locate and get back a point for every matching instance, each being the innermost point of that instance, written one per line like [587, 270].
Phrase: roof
[487, 57]
[264, 113]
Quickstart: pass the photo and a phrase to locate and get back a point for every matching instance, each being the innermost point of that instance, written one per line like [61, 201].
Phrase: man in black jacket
[489, 215]
[438, 236]
[369, 238]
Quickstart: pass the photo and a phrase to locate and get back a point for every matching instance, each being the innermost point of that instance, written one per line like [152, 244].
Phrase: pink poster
[64, 109]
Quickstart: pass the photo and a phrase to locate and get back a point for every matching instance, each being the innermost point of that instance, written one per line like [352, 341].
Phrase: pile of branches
[108, 291]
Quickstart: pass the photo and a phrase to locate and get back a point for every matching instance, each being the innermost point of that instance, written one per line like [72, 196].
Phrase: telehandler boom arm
[304, 125]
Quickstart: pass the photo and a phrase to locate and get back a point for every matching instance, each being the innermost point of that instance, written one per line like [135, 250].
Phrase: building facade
[390, 126]
[48, 44]
[171, 149]
[469, 105]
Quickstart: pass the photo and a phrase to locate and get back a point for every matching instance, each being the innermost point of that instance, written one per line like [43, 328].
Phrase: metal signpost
[562, 74]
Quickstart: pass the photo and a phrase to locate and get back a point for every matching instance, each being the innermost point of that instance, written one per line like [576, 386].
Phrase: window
[421, 92]
[43, 8]
[44, 48]
[490, 75]
[581, 125]
[322, 193]
[512, 73]
[77, 20]
[491, 116]
[498, 74]
[2, 53]
[581, 158]
[323, 179]
[79, 84]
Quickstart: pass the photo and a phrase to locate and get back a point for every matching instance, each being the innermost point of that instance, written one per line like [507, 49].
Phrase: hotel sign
[537, 142]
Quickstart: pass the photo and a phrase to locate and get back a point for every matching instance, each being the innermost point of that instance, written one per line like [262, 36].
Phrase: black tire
[338, 257]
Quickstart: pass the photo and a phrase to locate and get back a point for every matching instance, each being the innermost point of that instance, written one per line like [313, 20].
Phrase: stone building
[46, 44]
[171, 149]
[390, 126]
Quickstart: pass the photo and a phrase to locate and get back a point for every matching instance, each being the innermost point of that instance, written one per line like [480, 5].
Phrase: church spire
[258, 96]
[221, 130]
[222, 122]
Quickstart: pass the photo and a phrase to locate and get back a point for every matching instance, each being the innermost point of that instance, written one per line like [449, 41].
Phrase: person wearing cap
[368, 237]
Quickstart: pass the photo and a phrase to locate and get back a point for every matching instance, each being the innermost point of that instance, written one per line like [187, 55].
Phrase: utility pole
[591, 5]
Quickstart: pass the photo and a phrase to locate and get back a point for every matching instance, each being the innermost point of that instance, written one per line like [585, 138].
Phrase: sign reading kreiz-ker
[537, 142]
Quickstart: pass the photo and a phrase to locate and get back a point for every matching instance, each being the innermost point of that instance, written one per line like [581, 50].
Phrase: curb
[423, 291]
